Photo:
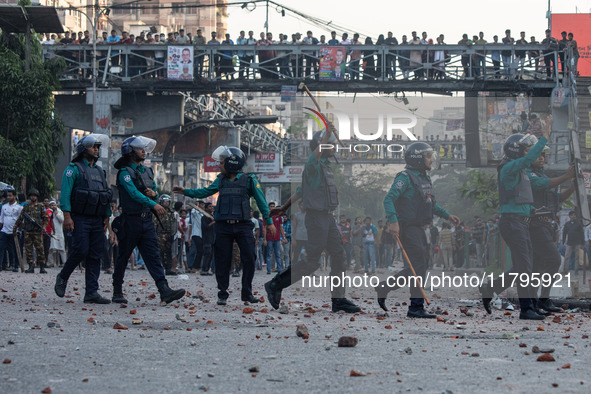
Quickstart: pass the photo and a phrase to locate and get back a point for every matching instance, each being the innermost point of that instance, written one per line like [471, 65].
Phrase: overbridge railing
[126, 63]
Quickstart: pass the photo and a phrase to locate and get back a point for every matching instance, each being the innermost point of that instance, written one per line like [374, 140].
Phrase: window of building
[177, 8]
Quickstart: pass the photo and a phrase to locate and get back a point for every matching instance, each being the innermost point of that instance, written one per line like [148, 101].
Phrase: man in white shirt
[196, 242]
[8, 216]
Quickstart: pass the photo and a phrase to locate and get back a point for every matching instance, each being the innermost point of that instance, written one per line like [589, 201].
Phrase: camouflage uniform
[33, 234]
[166, 237]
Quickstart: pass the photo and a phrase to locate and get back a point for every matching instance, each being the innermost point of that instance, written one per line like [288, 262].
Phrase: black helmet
[33, 191]
[415, 155]
[88, 142]
[233, 158]
[516, 144]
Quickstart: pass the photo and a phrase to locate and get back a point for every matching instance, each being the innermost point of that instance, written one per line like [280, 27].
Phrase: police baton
[412, 269]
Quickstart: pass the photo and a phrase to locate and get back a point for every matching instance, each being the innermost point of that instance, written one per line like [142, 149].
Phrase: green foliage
[31, 132]
[363, 194]
[447, 183]
[482, 188]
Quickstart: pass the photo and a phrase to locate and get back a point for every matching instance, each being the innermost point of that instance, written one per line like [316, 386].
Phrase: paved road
[196, 345]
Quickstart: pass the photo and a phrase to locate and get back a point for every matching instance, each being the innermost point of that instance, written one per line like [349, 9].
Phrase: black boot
[345, 305]
[546, 304]
[383, 289]
[42, 268]
[30, 270]
[60, 286]
[118, 297]
[169, 295]
[95, 298]
[273, 293]
[486, 292]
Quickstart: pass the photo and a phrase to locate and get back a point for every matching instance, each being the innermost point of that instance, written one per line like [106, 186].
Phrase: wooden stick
[412, 269]
[19, 255]
[204, 212]
[303, 86]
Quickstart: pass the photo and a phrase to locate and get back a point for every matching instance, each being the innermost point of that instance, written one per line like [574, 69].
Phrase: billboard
[332, 63]
[580, 26]
[180, 63]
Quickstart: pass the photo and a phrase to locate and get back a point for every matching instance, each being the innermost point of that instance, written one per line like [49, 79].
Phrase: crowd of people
[506, 61]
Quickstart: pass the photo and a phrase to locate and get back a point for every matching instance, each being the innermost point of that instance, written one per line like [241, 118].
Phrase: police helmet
[415, 155]
[318, 136]
[88, 142]
[132, 143]
[516, 144]
[163, 198]
[233, 158]
[33, 191]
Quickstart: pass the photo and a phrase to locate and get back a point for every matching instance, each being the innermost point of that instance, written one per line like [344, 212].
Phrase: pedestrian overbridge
[355, 68]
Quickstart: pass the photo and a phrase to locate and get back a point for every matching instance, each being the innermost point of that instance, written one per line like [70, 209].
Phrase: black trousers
[225, 235]
[414, 241]
[546, 256]
[198, 243]
[515, 233]
[88, 243]
[140, 232]
[322, 235]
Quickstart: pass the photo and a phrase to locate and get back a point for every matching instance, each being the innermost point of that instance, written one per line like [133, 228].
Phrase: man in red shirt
[273, 242]
[48, 228]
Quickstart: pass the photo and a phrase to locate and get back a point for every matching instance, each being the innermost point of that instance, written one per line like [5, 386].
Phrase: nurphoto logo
[349, 130]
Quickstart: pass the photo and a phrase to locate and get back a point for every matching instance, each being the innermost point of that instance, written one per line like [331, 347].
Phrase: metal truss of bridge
[374, 68]
[252, 136]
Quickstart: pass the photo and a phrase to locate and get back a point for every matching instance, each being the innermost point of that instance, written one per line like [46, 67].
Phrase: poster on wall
[333, 63]
[180, 63]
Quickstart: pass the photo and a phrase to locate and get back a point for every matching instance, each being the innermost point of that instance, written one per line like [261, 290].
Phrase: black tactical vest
[547, 198]
[522, 193]
[91, 194]
[233, 201]
[417, 211]
[142, 182]
[326, 196]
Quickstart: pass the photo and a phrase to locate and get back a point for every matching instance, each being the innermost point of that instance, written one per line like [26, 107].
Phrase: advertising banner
[180, 63]
[332, 63]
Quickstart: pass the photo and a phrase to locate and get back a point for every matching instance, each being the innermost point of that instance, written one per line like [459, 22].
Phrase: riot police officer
[515, 206]
[166, 227]
[320, 198]
[137, 194]
[410, 205]
[547, 202]
[85, 200]
[232, 219]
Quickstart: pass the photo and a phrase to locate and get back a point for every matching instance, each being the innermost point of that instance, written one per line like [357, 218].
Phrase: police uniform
[542, 231]
[33, 233]
[166, 233]
[319, 196]
[232, 223]
[137, 228]
[411, 203]
[87, 196]
[516, 204]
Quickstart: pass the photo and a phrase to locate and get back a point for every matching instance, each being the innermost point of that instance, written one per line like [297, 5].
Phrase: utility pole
[267, 20]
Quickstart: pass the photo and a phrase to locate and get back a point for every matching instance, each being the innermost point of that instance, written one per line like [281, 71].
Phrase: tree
[31, 131]
[482, 187]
